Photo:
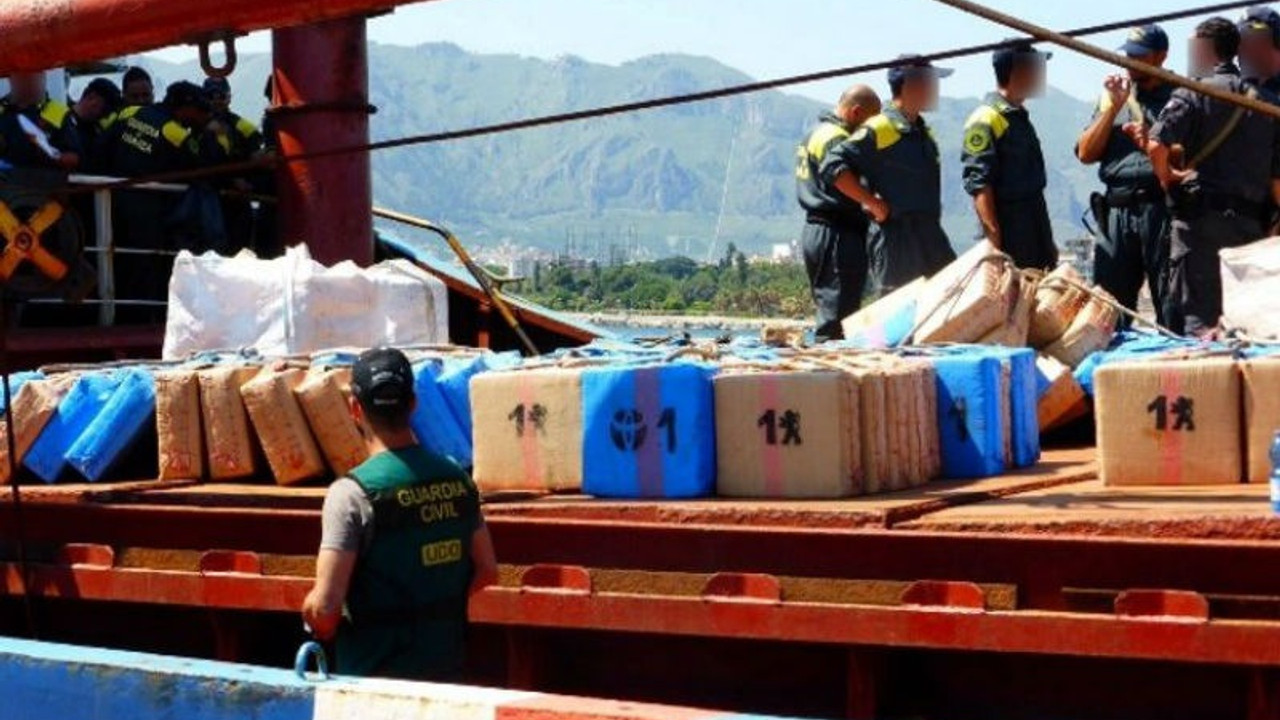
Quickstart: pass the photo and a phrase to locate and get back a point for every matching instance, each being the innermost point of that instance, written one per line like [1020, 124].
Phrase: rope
[704, 96]
[956, 290]
[1112, 303]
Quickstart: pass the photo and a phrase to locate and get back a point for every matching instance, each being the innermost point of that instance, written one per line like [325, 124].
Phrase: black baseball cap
[910, 66]
[1261, 18]
[1018, 51]
[382, 381]
[1145, 40]
[106, 90]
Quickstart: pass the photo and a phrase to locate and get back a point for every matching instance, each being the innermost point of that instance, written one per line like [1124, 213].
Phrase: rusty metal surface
[63, 32]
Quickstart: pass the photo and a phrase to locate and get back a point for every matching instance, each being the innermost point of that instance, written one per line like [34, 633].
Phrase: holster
[1101, 213]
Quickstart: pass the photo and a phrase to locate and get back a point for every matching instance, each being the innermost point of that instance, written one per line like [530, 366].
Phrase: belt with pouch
[1128, 197]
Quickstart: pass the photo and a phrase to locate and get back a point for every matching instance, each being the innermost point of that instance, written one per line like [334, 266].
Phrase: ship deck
[1061, 495]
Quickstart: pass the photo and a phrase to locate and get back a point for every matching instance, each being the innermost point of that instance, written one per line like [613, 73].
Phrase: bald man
[834, 239]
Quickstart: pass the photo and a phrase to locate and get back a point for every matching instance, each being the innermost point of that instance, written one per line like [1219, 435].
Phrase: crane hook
[206, 56]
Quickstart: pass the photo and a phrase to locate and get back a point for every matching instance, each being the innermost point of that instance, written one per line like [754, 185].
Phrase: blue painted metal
[41, 680]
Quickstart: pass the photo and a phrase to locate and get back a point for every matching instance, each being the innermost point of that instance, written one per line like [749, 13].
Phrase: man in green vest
[403, 545]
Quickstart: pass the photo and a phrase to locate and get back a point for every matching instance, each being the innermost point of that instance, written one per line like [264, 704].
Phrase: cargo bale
[281, 426]
[528, 430]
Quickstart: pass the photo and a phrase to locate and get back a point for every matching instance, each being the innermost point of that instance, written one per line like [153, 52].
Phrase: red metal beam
[925, 627]
[43, 34]
[322, 100]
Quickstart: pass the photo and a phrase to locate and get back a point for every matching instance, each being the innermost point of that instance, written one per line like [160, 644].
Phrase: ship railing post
[105, 234]
[863, 678]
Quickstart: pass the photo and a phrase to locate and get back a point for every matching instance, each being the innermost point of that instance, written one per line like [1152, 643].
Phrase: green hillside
[652, 180]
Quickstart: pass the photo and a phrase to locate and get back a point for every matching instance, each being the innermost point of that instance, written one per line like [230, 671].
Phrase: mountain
[653, 181]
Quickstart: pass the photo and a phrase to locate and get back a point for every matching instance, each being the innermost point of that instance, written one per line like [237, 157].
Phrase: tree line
[676, 285]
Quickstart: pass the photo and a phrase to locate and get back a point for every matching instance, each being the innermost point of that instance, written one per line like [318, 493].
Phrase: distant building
[784, 253]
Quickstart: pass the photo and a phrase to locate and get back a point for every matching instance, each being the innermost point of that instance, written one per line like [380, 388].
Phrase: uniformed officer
[235, 140]
[147, 140]
[1132, 215]
[895, 155]
[834, 240]
[1260, 48]
[403, 544]
[137, 87]
[36, 131]
[95, 111]
[1004, 168]
[1219, 192]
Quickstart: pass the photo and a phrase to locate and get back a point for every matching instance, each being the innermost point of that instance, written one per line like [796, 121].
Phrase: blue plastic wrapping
[87, 397]
[649, 431]
[971, 423]
[1132, 345]
[1023, 403]
[16, 381]
[433, 421]
[454, 383]
[116, 428]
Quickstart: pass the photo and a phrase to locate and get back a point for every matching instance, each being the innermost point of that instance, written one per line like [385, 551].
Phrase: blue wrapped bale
[116, 428]
[972, 415]
[1023, 405]
[454, 383]
[649, 432]
[433, 421]
[47, 458]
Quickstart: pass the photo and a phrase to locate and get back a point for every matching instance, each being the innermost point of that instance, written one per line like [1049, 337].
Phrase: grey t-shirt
[346, 523]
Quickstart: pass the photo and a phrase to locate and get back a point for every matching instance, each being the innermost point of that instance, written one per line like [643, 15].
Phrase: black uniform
[1135, 242]
[834, 239]
[1227, 203]
[145, 140]
[92, 141]
[1002, 151]
[236, 140]
[899, 160]
[51, 117]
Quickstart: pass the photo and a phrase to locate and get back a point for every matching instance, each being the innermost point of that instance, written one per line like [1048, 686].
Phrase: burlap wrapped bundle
[282, 427]
[1059, 298]
[33, 406]
[178, 431]
[528, 429]
[1016, 329]
[1172, 421]
[1064, 401]
[227, 438]
[1093, 329]
[783, 433]
[968, 299]
[1262, 414]
[322, 394]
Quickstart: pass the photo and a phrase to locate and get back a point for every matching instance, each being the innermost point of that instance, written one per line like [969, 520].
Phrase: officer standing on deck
[834, 240]
[1220, 187]
[897, 157]
[1004, 167]
[1260, 48]
[403, 543]
[36, 131]
[95, 111]
[235, 140]
[1132, 215]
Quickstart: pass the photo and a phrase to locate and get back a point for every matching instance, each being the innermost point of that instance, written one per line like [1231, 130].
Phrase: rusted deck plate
[1237, 512]
[1058, 468]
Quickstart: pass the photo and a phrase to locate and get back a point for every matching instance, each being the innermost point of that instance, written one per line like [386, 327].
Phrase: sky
[764, 38]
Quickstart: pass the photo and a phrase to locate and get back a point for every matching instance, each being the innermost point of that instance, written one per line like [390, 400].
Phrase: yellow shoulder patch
[822, 138]
[129, 112]
[175, 133]
[246, 128]
[54, 113]
[886, 133]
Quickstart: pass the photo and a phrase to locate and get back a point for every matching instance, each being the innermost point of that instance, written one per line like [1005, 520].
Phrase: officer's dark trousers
[906, 247]
[1194, 271]
[140, 219]
[835, 256]
[1027, 232]
[1135, 250]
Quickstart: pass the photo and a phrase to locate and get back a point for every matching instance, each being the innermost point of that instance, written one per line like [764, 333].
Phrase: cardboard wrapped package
[1262, 414]
[181, 444]
[968, 299]
[227, 437]
[528, 430]
[1169, 422]
[281, 426]
[1016, 329]
[888, 321]
[783, 434]
[322, 395]
[36, 401]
